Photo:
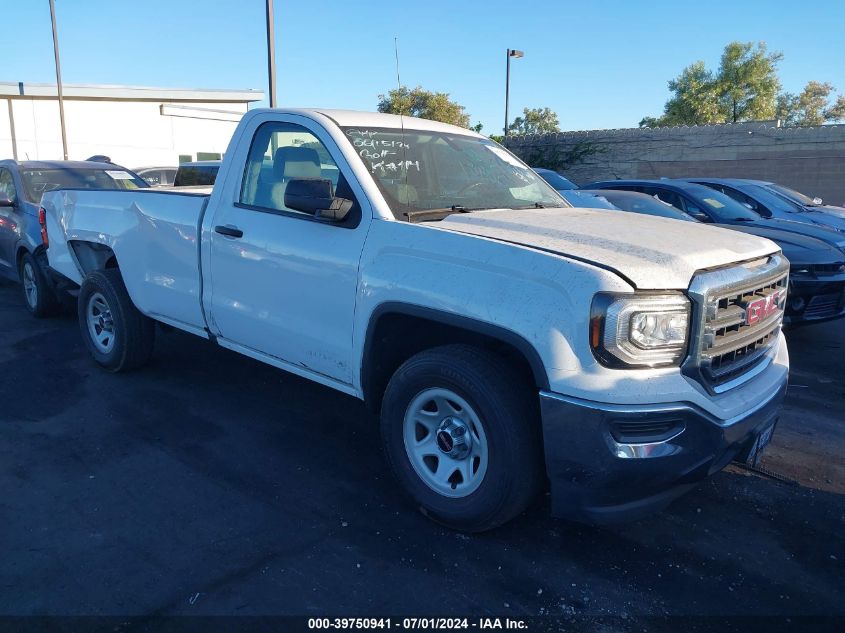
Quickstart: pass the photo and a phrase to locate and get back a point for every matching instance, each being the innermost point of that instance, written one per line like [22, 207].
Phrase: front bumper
[598, 475]
[815, 299]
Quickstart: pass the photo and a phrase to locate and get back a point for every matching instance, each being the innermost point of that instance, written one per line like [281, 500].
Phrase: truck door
[283, 283]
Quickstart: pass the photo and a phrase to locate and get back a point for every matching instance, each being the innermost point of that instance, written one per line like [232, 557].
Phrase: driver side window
[279, 153]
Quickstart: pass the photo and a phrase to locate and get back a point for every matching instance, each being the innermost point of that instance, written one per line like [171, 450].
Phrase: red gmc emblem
[762, 308]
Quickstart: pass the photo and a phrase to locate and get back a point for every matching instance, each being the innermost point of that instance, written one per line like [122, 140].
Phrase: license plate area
[759, 444]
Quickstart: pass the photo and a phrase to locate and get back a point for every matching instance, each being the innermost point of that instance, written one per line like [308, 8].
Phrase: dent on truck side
[529, 301]
[153, 236]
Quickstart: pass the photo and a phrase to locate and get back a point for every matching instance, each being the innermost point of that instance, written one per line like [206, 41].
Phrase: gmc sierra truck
[506, 339]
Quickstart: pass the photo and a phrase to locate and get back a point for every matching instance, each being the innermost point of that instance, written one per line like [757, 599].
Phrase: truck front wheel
[118, 336]
[461, 433]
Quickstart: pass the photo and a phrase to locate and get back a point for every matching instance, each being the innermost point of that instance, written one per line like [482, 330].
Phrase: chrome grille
[740, 315]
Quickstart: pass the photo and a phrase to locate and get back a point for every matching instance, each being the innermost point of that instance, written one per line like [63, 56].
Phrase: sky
[598, 64]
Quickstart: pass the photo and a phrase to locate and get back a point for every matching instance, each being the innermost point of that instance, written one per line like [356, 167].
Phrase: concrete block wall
[809, 159]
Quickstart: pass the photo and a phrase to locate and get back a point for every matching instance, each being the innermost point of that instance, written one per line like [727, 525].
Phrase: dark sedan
[22, 242]
[817, 274]
[768, 200]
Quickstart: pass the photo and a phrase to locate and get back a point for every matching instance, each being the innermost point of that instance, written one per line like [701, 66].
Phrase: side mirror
[5, 200]
[315, 196]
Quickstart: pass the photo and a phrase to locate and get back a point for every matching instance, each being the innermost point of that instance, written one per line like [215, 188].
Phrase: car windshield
[587, 200]
[721, 206]
[773, 201]
[418, 171]
[797, 196]
[196, 175]
[39, 181]
[643, 203]
[556, 180]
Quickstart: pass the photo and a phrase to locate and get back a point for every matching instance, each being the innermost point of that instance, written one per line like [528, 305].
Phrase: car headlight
[639, 330]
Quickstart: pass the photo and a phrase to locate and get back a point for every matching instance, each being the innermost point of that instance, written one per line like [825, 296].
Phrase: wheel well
[19, 256]
[93, 256]
[394, 336]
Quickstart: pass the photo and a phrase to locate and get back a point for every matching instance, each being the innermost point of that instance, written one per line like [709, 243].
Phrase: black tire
[508, 408]
[134, 333]
[38, 296]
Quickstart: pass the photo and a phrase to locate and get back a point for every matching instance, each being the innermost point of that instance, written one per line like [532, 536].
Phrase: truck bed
[154, 234]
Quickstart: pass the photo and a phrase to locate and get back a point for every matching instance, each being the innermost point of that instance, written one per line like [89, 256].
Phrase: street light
[271, 53]
[511, 53]
[58, 77]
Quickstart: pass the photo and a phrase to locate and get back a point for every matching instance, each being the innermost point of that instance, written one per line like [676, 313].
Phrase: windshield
[39, 181]
[774, 201]
[196, 175]
[721, 207]
[797, 196]
[643, 203]
[556, 180]
[418, 171]
[586, 200]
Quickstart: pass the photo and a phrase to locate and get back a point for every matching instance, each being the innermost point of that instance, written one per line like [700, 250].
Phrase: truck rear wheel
[460, 430]
[118, 336]
[38, 296]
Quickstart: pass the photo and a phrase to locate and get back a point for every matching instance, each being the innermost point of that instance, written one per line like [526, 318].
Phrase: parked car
[768, 202]
[817, 274]
[558, 182]
[569, 191]
[502, 336]
[22, 237]
[201, 173]
[157, 176]
[804, 200]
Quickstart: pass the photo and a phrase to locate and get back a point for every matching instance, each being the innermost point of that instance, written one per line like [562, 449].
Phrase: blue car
[817, 273]
[771, 200]
[22, 242]
[569, 191]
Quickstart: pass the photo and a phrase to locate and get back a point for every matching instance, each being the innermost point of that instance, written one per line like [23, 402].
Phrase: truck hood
[651, 252]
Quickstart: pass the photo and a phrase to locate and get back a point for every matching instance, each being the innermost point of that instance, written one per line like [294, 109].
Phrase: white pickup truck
[506, 339]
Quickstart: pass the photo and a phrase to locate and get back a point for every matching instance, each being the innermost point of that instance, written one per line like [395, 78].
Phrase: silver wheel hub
[454, 439]
[445, 442]
[100, 323]
[29, 285]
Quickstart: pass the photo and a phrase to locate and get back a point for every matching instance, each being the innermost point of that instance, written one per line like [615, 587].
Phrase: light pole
[511, 53]
[271, 53]
[58, 77]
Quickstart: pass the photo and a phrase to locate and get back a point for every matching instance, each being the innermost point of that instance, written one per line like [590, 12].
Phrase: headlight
[639, 330]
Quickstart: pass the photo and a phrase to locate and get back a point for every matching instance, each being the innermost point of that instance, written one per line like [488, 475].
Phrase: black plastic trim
[453, 320]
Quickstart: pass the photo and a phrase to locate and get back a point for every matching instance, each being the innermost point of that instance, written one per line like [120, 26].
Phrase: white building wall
[132, 133]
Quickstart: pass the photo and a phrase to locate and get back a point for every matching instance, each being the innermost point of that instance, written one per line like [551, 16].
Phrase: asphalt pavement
[210, 484]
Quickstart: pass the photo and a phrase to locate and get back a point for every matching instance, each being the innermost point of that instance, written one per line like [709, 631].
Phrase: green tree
[424, 104]
[535, 121]
[744, 88]
[747, 82]
[695, 99]
[813, 106]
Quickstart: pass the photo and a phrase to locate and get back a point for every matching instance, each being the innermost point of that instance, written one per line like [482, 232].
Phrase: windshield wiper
[435, 214]
[533, 205]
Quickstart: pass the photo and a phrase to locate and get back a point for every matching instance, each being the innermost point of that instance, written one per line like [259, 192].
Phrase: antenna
[402, 125]
[396, 51]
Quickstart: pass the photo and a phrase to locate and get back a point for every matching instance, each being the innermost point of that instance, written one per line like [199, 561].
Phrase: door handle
[229, 231]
